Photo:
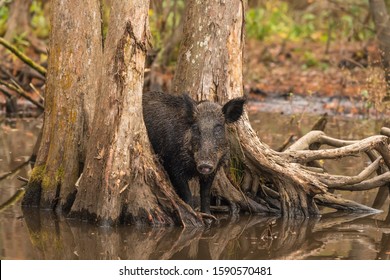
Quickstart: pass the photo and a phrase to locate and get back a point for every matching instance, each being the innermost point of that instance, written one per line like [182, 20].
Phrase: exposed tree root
[286, 182]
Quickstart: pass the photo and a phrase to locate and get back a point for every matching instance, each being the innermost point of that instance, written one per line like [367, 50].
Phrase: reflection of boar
[189, 138]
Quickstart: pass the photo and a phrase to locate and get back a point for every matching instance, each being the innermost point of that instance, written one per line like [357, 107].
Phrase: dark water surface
[42, 235]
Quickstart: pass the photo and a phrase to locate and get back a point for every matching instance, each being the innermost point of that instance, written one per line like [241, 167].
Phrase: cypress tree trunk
[121, 182]
[210, 56]
[72, 84]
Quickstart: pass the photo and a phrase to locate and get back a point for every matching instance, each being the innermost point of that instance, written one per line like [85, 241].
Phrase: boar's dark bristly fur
[190, 138]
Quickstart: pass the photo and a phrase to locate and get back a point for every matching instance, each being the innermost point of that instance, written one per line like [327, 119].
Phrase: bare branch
[22, 93]
[23, 57]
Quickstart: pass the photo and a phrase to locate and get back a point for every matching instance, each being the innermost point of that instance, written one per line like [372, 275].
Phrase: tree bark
[121, 182]
[72, 84]
[382, 25]
[210, 56]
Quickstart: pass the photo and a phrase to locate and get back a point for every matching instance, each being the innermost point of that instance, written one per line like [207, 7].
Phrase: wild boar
[189, 138]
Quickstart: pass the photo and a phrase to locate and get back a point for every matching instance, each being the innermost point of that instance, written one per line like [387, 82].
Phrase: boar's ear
[233, 109]
[189, 107]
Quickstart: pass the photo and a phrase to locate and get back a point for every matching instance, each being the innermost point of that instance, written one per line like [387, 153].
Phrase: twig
[288, 141]
[15, 198]
[37, 92]
[317, 136]
[20, 178]
[22, 93]
[4, 176]
[23, 57]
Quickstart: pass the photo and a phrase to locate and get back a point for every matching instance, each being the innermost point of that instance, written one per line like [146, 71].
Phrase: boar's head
[206, 138]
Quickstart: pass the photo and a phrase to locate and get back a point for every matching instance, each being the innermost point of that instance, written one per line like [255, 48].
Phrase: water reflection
[333, 236]
[43, 235]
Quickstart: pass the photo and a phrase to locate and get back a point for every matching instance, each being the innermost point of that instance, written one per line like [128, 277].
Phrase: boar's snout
[205, 168]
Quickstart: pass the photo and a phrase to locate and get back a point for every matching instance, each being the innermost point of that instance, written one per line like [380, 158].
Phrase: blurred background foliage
[334, 37]
[312, 20]
[269, 21]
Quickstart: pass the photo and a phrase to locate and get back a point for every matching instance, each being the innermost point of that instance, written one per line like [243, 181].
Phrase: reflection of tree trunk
[246, 238]
[219, 242]
[54, 238]
[295, 237]
[382, 24]
[51, 237]
[180, 239]
[19, 19]
[384, 250]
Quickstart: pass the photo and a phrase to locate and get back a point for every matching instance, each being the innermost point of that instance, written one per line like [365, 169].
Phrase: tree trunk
[19, 19]
[72, 84]
[382, 24]
[121, 182]
[210, 56]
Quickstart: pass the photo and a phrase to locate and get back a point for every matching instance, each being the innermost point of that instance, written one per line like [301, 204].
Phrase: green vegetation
[4, 12]
[39, 21]
[320, 21]
[270, 20]
[165, 18]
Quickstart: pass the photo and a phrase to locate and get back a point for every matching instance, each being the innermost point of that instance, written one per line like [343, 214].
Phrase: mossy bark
[121, 182]
[72, 84]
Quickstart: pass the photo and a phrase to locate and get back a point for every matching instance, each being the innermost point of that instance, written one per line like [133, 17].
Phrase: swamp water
[42, 235]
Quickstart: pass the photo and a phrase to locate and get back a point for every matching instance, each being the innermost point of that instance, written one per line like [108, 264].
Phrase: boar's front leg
[205, 183]
[182, 188]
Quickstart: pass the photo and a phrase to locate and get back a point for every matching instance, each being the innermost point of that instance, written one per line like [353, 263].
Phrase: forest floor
[345, 78]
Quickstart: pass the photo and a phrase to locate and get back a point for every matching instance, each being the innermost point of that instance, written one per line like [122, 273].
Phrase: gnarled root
[292, 183]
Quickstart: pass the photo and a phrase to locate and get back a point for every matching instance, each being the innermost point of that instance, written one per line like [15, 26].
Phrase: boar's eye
[195, 129]
[219, 130]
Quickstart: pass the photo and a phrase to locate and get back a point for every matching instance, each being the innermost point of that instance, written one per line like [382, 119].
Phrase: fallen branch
[22, 93]
[9, 173]
[23, 57]
[15, 198]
